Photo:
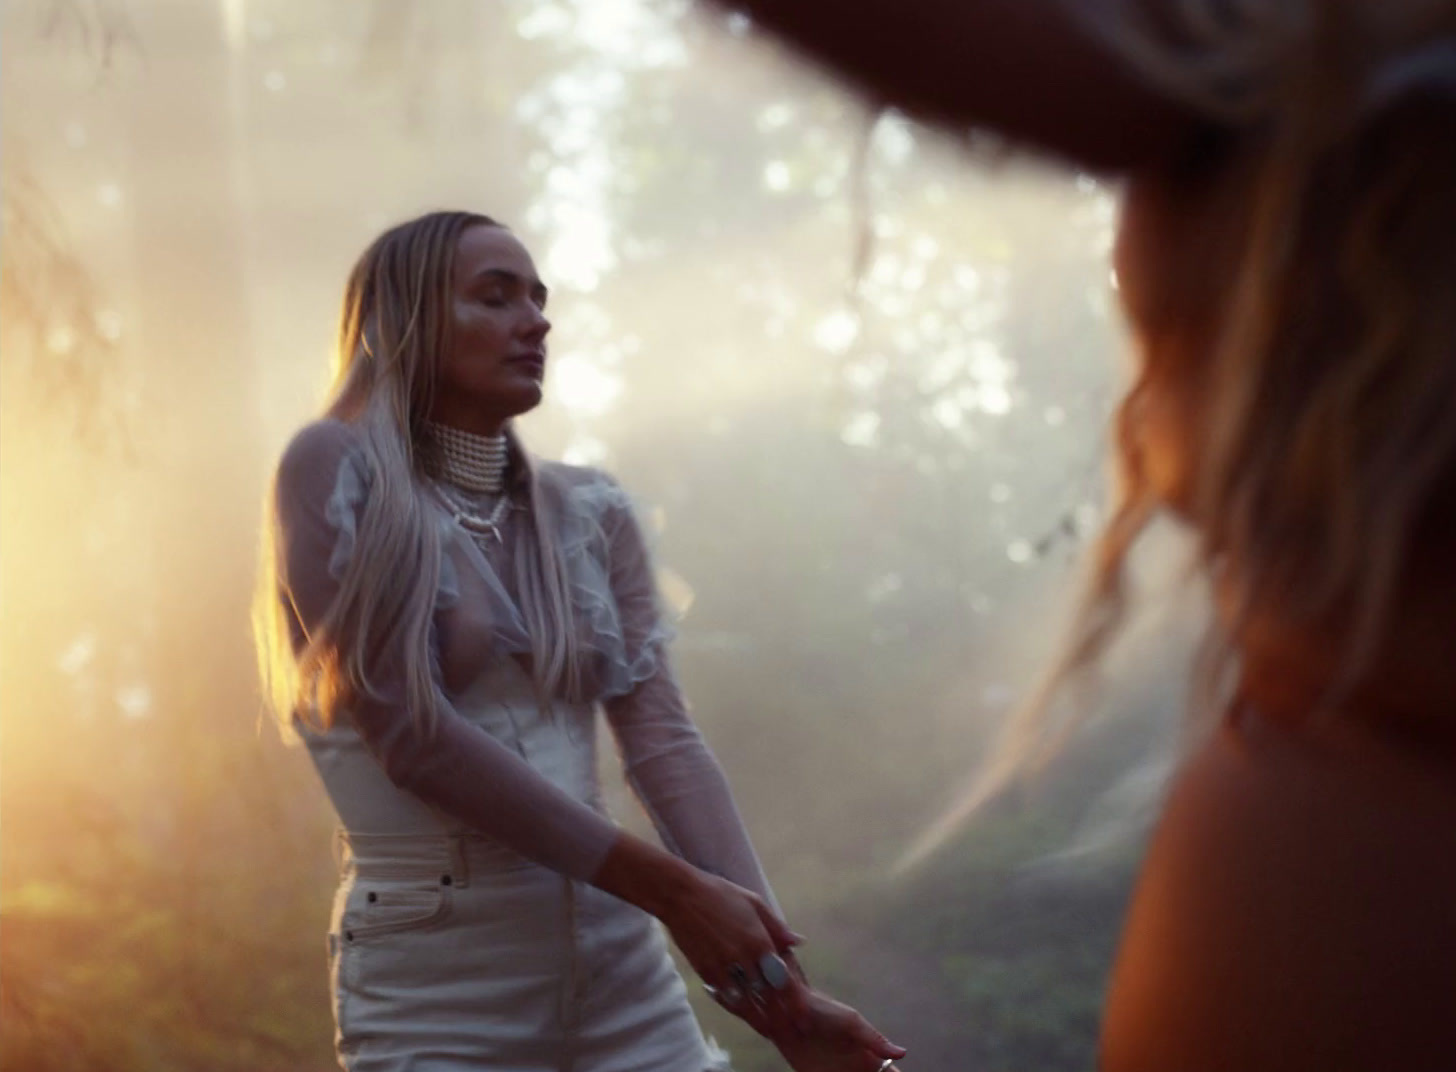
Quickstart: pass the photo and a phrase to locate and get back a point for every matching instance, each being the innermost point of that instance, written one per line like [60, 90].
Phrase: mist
[856, 374]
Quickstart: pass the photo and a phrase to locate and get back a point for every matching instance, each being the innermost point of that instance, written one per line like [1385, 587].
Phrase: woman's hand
[837, 1039]
[729, 935]
[733, 940]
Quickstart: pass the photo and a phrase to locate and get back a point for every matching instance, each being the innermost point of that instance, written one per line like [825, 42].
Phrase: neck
[466, 459]
[471, 423]
[1407, 688]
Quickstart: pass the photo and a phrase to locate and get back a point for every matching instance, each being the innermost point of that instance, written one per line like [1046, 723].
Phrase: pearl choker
[468, 461]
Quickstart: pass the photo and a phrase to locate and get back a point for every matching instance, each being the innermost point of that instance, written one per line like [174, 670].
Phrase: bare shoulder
[1294, 912]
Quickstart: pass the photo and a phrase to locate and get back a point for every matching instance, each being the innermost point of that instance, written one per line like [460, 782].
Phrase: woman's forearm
[459, 769]
[681, 785]
[644, 875]
[666, 760]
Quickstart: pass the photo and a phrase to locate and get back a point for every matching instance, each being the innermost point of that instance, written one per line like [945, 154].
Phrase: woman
[1287, 261]
[440, 615]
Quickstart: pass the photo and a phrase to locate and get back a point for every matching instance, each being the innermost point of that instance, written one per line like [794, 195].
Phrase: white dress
[465, 933]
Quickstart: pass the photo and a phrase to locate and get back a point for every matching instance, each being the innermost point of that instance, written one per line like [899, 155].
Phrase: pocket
[374, 908]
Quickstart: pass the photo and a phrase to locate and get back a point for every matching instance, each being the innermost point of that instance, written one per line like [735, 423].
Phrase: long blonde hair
[394, 328]
[1322, 463]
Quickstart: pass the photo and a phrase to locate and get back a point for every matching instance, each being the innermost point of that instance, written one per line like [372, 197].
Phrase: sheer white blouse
[463, 774]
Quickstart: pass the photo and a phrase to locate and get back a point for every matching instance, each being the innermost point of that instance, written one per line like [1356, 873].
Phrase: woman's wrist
[646, 876]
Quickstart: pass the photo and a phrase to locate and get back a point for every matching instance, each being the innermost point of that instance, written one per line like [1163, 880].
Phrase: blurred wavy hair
[394, 326]
[1323, 459]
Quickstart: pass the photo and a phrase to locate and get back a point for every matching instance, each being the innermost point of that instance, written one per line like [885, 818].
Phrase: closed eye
[502, 286]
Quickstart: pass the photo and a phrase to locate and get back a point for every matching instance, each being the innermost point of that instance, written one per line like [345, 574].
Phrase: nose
[536, 326]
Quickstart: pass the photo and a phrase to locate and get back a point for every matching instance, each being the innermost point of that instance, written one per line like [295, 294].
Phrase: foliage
[852, 378]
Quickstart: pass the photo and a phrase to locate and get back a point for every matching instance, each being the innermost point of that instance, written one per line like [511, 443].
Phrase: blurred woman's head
[1291, 287]
[1295, 312]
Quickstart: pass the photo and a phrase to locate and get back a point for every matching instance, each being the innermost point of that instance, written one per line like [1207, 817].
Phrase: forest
[856, 373]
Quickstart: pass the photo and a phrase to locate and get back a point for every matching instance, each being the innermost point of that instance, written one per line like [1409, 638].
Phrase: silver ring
[728, 996]
[775, 971]
[887, 1065]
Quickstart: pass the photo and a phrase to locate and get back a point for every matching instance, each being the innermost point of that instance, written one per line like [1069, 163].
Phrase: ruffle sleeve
[623, 629]
[346, 500]
[674, 774]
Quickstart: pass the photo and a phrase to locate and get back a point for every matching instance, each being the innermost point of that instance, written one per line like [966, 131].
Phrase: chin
[523, 399]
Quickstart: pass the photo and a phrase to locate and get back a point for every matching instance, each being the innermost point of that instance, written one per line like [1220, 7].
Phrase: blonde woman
[441, 615]
[1287, 263]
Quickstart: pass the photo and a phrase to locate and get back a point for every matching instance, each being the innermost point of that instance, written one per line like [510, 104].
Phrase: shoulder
[575, 476]
[315, 457]
[325, 439]
[1285, 865]
[596, 490]
[593, 502]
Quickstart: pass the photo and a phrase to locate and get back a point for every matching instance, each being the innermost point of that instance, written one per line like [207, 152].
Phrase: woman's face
[496, 360]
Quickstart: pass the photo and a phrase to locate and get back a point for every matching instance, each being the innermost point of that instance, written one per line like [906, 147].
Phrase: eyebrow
[535, 286]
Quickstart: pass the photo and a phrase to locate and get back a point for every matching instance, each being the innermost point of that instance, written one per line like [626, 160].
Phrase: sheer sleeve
[459, 769]
[669, 766]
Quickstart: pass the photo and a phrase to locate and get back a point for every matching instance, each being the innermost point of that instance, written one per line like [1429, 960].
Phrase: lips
[533, 362]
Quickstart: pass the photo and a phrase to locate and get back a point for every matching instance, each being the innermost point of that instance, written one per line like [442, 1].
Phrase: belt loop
[340, 848]
[459, 860]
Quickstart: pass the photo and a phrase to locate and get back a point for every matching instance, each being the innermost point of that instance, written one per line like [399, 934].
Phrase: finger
[785, 989]
[863, 1032]
[771, 980]
[775, 971]
[723, 983]
[780, 933]
[797, 969]
[729, 995]
[781, 1019]
[755, 1016]
[707, 958]
[733, 989]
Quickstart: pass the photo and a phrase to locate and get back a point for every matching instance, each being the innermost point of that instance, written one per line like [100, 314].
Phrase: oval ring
[775, 971]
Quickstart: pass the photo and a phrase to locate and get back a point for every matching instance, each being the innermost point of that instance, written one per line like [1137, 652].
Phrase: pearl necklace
[473, 465]
[469, 461]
